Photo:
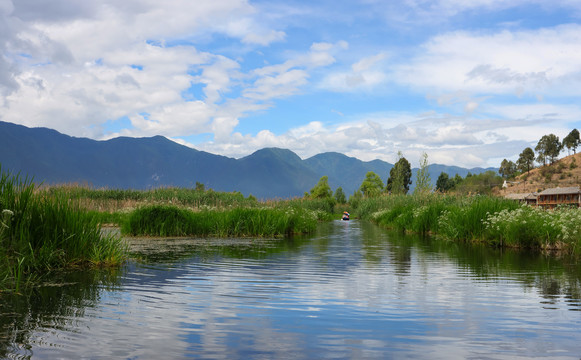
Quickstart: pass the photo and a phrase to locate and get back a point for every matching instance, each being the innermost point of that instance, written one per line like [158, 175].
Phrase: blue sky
[467, 82]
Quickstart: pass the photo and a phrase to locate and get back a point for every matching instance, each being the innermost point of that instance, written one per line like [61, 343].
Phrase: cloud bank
[233, 76]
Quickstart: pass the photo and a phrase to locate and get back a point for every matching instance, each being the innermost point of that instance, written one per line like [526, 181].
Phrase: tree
[482, 183]
[340, 196]
[507, 168]
[444, 183]
[400, 176]
[200, 186]
[549, 148]
[572, 141]
[423, 181]
[372, 185]
[526, 160]
[322, 190]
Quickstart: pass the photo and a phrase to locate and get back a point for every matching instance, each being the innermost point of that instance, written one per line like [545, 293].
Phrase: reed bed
[534, 227]
[168, 220]
[41, 233]
[492, 220]
[114, 200]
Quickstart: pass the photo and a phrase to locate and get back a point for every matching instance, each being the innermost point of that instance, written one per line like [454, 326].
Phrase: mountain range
[47, 156]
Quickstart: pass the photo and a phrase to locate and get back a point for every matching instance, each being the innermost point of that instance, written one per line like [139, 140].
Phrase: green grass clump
[168, 220]
[463, 220]
[39, 234]
[496, 221]
[535, 227]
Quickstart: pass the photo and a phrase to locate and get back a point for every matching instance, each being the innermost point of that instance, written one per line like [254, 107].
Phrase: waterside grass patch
[492, 220]
[168, 220]
[40, 234]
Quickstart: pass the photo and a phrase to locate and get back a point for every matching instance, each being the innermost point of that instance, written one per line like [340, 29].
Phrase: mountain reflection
[351, 290]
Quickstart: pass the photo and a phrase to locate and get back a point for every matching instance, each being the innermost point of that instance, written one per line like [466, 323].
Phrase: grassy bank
[493, 220]
[40, 233]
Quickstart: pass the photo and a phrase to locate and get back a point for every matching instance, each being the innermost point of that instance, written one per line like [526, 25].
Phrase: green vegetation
[495, 221]
[52, 228]
[526, 160]
[372, 185]
[548, 148]
[423, 180]
[40, 233]
[340, 196]
[164, 220]
[400, 176]
[507, 169]
[117, 199]
[572, 141]
[481, 184]
[321, 190]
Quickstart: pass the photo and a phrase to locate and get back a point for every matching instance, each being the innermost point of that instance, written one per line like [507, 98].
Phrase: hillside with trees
[524, 177]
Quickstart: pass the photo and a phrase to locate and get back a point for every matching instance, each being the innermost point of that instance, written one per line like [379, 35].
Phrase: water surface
[350, 291]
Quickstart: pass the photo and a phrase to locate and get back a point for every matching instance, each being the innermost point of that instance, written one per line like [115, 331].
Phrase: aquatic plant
[534, 227]
[40, 234]
[168, 220]
[496, 221]
[112, 200]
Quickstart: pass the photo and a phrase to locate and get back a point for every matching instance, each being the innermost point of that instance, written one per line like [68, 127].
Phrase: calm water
[350, 291]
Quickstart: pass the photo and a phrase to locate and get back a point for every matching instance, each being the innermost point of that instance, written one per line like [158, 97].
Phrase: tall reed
[496, 221]
[117, 199]
[534, 227]
[168, 220]
[44, 233]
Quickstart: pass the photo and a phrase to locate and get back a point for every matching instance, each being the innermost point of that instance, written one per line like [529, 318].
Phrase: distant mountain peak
[124, 162]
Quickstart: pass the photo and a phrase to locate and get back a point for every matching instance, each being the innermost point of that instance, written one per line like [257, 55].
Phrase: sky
[467, 82]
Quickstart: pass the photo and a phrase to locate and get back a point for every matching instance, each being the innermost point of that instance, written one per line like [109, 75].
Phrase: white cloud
[545, 61]
[264, 38]
[364, 75]
[78, 66]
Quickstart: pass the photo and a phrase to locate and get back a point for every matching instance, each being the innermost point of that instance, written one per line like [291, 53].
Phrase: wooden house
[526, 198]
[551, 198]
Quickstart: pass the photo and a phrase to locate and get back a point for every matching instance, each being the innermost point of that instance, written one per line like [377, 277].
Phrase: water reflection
[53, 306]
[351, 290]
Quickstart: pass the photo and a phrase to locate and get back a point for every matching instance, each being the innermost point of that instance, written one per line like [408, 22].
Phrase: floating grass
[167, 220]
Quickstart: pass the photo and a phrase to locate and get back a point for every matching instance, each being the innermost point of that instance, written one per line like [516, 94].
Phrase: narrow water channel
[350, 291]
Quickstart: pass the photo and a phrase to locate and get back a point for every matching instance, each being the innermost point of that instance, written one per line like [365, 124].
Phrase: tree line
[399, 181]
[548, 149]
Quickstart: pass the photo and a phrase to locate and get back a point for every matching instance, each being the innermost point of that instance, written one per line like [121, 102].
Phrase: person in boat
[345, 215]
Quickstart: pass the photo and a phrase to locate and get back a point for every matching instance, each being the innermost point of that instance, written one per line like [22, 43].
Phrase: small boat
[345, 216]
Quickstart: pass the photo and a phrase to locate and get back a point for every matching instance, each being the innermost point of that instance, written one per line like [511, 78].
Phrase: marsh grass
[116, 200]
[45, 233]
[495, 221]
[169, 220]
[534, 227]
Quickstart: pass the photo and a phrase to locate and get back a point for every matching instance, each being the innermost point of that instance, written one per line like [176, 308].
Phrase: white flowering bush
[534, 227]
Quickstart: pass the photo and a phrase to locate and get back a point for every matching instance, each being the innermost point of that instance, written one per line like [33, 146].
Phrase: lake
[349, 291]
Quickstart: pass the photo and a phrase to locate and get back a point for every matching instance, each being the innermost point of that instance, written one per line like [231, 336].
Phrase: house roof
[522, 196]
[560, 191]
